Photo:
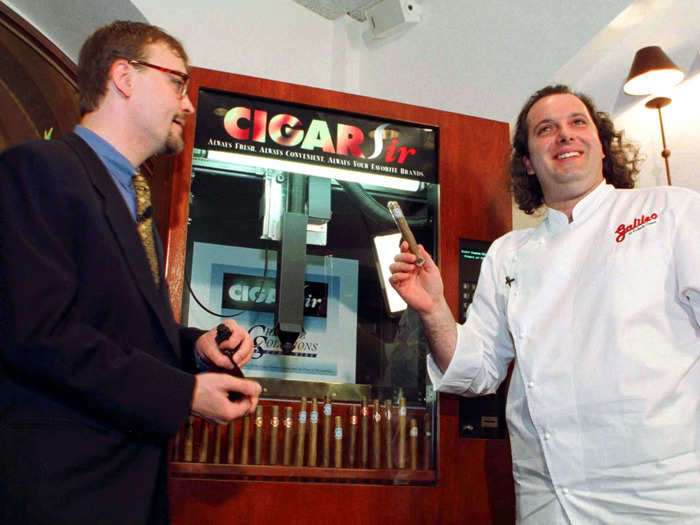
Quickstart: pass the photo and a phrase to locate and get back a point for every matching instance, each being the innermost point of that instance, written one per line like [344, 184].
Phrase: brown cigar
[313, 433]
[414, 444]
[204, 442]
[364, 438]
[230, 442]
[352, 452]
[376, 437]
[327, 412]
[217, 444]
[402, 433]
[245, 440]
[257, 459]
[274, 431]
[387, 434]
[189, 438]
[301, 434]
[338, 437]
[406, 232]
[287, 443]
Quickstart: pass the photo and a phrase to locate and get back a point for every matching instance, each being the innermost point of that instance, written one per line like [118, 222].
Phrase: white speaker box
[391, 16]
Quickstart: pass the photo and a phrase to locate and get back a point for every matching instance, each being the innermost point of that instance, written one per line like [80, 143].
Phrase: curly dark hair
[620, 165]
[121, 39]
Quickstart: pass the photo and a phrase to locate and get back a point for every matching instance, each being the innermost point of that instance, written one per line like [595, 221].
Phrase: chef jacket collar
[556, 221]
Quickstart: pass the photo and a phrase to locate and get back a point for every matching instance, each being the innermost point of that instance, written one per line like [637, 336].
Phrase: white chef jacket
[602, 318]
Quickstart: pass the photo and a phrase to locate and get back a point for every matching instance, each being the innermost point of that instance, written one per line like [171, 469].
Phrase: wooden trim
[281, 473]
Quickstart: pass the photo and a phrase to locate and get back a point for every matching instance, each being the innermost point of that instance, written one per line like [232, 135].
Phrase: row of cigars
[376, 435]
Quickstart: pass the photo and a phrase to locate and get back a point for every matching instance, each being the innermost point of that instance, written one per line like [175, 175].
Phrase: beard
[174, 144]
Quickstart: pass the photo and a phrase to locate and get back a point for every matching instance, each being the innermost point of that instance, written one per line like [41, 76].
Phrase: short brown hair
[126, 40]
[620, 164]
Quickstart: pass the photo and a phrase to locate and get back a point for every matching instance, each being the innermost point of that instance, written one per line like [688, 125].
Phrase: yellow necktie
[144, 222]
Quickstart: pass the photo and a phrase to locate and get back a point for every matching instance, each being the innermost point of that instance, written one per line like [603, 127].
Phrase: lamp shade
[651, 72]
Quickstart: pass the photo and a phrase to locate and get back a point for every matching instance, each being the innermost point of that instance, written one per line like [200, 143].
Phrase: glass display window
[290, 235]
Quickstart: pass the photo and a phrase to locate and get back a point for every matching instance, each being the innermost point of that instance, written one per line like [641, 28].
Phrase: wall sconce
[651, 72]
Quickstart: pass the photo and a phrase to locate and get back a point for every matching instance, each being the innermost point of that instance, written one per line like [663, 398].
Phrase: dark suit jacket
[92, 380]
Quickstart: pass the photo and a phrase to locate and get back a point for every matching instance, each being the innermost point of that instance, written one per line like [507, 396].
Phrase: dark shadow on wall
[38, 93]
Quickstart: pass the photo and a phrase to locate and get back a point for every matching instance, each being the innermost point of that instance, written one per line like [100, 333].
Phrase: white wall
[274, 39]
[475, 58]
[600, 69]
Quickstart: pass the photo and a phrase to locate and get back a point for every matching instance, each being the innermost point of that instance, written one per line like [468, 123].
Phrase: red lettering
[286, 130]
[390, 150]
[232, 123]
[259, 125]
[622, 230]
[405, 152]
[349, 139]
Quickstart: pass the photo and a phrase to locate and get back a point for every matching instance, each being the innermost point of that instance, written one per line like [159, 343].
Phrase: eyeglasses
[182, 83]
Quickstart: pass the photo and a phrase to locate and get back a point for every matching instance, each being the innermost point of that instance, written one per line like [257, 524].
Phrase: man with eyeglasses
[95, 374]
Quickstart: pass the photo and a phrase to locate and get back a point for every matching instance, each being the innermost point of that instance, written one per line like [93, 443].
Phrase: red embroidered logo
[638, 224]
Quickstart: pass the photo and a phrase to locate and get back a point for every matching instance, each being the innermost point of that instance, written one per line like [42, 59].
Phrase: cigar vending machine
[289, 234]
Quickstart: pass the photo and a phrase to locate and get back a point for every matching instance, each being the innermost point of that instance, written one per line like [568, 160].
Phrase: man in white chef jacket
[598, 307]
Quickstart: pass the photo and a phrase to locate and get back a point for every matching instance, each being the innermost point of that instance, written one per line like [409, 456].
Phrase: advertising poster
[238, 280]
[257, 128]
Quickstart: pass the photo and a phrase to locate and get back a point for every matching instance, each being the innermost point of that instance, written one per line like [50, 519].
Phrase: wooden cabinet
[473, 479]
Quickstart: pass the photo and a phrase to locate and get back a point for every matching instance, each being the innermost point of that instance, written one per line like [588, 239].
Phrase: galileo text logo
[640, 222]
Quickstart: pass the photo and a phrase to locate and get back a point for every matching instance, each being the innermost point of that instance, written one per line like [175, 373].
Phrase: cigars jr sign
[263, 128]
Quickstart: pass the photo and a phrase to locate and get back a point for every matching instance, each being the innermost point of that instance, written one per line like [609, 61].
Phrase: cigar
[301, 434]
[402, 433]
[406, 232]
[287, 443]
[353, 436]
[274, 430]
[204, 442]
[387, 434]
[313, 433]
[376, 438]
[217, 444]
[427, 443]
[258, 435]
[338, 436]
[189, 438]
[230, 442]
[414, 444]
[364, 425]
[327, 412]
[245, 440]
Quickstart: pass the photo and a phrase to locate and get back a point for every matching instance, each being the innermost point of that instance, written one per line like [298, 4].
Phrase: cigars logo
[623, 230]
[265, 341]
[254, 129]
[248, 124]
[250, 292]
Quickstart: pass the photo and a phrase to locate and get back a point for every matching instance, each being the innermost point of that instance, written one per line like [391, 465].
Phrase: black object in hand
[223, 332]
